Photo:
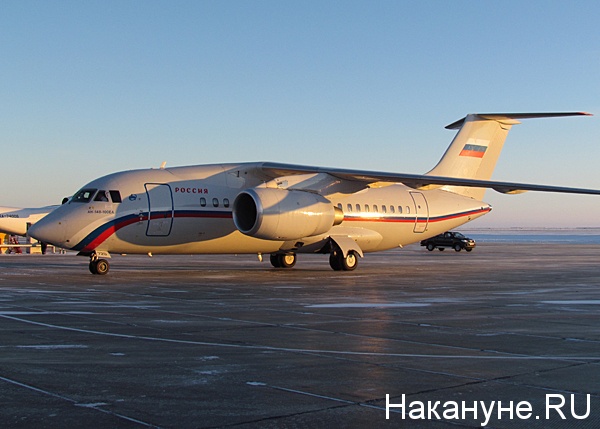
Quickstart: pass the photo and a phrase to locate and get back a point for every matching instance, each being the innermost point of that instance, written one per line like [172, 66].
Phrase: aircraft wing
[339, 180]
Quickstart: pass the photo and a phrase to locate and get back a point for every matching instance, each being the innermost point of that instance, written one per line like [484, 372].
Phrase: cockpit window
[102, 195]
[115, 196]
[83, 196]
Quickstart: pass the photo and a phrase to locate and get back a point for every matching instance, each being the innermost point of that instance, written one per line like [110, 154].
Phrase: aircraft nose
[48, 232]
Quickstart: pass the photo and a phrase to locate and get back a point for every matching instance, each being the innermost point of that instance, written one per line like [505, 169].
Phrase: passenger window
[400, 209]
[203, 202]
[367, 208]
[215, 202]
[340, 206]
[101, 196]
[349, 206]
[115, 196]
[384, 209]
[392, 210]
[375, 208]
[358, 207]
[83, 196]
[407, 209]
[225, 202]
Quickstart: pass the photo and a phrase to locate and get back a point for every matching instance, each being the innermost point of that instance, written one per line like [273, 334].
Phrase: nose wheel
[99, 266]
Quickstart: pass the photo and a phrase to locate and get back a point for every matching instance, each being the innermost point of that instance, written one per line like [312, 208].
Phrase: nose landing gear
[97, 265]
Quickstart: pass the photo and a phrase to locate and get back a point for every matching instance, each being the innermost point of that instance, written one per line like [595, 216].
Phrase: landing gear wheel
[93, 267]
[334, 260]
[350, 262]
[339, 262]
[99, 266]
[457, 247]
[274, 258]
[283, 260]
[287, 260]
[102, 267]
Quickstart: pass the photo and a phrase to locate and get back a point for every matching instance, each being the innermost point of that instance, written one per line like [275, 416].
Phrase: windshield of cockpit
[86, 195]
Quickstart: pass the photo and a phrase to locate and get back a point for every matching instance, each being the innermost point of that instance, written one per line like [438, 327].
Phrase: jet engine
[281, 214]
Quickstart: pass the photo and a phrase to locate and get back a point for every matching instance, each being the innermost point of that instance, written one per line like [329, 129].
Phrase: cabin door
[160, 209]
[421, 212]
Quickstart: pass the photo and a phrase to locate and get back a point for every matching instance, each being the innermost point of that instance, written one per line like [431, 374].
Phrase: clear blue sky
[92, 87]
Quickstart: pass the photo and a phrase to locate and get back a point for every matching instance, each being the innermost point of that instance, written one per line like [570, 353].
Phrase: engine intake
[281, 214]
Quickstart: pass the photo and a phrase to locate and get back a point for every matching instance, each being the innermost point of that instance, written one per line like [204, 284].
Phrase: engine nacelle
[280, 214]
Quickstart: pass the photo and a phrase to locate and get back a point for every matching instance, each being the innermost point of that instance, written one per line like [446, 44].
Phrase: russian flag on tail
[473, 150]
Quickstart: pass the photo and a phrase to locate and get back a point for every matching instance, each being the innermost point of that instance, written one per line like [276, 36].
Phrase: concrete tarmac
[228, 342]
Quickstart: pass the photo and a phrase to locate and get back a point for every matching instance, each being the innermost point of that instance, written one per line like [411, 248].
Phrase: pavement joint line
[294, 350]
[293, 327]
[331, 398]
[75, 403]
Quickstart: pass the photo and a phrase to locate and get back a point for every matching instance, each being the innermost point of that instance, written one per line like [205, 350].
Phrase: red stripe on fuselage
[112, 229]
[416, 218]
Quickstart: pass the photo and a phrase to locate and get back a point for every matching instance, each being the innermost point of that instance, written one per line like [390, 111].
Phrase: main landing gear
[283, 260]
[98, 266]
[337, 260]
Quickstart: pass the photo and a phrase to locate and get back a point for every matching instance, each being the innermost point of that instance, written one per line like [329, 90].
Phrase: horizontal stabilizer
[507, 117]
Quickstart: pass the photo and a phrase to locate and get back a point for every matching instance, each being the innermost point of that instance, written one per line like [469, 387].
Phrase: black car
[455, 240]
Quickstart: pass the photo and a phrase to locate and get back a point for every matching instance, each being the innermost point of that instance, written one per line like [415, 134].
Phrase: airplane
[284, 209]
[15, 221]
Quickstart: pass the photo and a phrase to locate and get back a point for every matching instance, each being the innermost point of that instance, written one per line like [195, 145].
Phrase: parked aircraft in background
[15, 220]
[283, 209]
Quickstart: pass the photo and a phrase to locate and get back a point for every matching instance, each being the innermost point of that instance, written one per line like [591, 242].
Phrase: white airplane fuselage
[284, 209]
[15, 220]
[188, 210]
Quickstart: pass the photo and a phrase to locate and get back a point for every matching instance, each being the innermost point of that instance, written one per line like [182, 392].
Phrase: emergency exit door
[160, 209]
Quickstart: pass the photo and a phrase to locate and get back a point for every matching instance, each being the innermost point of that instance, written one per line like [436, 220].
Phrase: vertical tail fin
[476, 147]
